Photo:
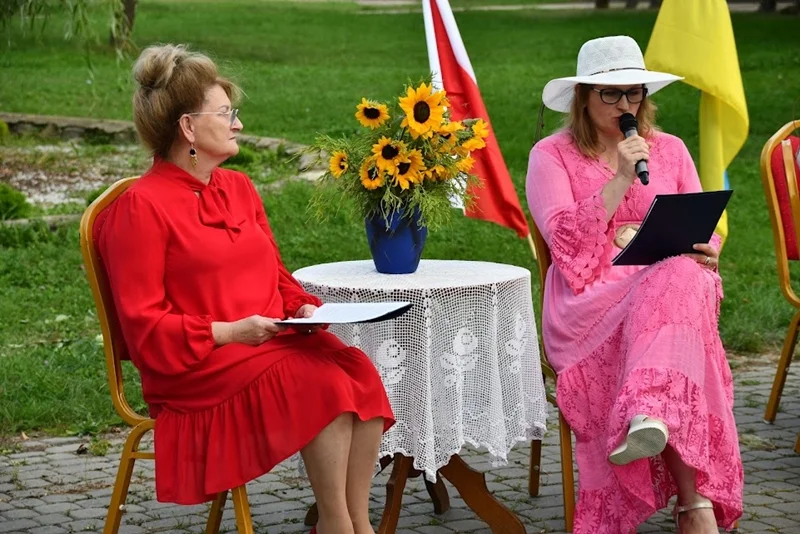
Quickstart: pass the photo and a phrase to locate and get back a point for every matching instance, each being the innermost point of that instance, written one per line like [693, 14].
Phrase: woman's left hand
[708, 256]
[307, 310]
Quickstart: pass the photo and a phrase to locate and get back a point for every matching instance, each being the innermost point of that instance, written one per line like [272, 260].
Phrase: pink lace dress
[631, 340]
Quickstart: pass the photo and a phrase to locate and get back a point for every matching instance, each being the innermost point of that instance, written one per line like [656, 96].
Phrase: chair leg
[535, 468]
[783, 370]
[241, 507]
[567, 476]
[124, 473]
[215, 514]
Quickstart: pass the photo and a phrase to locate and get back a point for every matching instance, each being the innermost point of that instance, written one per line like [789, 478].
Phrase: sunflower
[480, 129]
[371, 114]
[338, 164]
[409, 170]
[371, 176]
[474, 143]
[424, 110]
[447, 135]
[388, 154]
[465, 165]
[437, 172]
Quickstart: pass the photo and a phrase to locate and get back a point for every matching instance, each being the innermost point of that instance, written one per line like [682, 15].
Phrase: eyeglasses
[234, 113]
[610, 95]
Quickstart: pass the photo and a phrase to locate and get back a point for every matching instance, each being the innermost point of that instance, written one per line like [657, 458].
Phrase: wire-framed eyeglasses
[234, 113]
[611, 95]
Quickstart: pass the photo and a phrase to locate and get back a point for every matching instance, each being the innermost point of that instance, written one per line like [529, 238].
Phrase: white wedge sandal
[647, 437]
[678, 510]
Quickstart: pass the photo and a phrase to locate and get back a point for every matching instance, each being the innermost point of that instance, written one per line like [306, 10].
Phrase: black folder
[672, 225]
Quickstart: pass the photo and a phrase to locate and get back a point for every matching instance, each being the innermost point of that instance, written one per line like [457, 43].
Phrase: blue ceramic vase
[398, 248]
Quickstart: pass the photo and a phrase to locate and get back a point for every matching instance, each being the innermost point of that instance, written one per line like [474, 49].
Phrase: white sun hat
[615, 60]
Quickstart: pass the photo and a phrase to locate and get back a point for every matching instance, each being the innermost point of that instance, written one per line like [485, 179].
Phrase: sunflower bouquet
[408, 158]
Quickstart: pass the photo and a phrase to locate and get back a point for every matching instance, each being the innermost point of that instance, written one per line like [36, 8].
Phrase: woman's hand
[629, 152]
[708, 256]
[253, 330]
[307, 310]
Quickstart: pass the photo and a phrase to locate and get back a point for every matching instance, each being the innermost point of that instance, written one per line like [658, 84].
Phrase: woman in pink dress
[643, 377]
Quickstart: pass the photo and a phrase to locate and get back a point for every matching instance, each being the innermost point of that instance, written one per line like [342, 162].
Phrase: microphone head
[627, 122]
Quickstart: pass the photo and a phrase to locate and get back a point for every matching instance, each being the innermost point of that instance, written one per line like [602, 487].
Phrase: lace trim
[705, 440]
[581, 243]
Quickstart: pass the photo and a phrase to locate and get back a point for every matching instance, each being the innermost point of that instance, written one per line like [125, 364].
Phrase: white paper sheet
[352, 312]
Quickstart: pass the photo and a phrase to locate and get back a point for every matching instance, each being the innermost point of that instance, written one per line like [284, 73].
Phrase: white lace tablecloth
[460, 367]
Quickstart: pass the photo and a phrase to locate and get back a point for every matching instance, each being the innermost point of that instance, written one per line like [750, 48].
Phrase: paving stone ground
[48, 488]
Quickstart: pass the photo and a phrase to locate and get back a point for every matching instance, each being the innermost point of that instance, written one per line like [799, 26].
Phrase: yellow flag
[694, 39]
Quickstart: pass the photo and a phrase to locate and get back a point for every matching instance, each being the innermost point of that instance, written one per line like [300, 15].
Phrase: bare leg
[700, 521]
[360, 467]
[326, 459]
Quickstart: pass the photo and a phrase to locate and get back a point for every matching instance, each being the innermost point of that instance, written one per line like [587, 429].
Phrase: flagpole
[533, 248]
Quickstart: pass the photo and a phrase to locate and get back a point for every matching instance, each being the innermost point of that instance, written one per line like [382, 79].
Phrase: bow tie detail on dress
[214, 211]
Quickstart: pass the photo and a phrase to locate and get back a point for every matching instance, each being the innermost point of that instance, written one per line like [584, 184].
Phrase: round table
[460, 367]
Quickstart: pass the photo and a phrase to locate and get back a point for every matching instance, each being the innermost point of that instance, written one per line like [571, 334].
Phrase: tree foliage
[32, 15]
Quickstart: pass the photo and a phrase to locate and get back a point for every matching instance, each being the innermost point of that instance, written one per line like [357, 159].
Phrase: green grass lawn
[304, 67]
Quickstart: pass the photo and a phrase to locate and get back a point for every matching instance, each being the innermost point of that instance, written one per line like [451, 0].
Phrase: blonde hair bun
[156, 65]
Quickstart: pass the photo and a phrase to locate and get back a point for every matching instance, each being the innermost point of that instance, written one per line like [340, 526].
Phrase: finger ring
[708, 260]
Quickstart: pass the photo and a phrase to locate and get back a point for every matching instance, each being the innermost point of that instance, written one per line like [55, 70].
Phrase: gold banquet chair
[565, 434]
[115, 352]
[780, 170]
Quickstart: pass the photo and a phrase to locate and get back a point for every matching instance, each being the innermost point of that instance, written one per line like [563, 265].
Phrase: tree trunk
[631, 4]
[601, 4]
[126, 14]
[768, 6]
[655, 4]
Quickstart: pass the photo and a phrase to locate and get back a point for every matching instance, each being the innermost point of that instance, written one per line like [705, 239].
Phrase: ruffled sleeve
[133, 247]
[579, 233]
[292, 293]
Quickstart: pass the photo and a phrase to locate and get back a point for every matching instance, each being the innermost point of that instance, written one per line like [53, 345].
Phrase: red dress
[179, 255]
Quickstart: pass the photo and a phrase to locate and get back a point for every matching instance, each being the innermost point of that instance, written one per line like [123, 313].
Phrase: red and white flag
[497, 200]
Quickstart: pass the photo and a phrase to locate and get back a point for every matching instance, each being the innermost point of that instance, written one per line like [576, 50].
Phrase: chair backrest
[113, 342]
[779, 175]
[543, 261]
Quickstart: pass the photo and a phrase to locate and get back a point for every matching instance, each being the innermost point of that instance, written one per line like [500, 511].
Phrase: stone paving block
[82, 525]
[89, 513]
[48, 529]
[66, 448]
[27, 502]
[17, 525]
[53, 519]
[20, 513]
[466, 525]
[780, 522]
[36, 483]
[57, 508]
[792, 508]
[433, 529]
[280, 518]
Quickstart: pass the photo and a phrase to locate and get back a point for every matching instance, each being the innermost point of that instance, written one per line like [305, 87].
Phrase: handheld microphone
[628, 126]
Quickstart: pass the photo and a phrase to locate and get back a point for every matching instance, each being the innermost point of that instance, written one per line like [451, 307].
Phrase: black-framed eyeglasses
[234, 113]
[611, 95]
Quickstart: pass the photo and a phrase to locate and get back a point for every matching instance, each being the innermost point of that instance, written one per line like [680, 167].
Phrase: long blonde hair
[583, 131]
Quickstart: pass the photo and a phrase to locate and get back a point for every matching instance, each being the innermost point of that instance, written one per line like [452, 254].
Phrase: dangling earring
[193, 155]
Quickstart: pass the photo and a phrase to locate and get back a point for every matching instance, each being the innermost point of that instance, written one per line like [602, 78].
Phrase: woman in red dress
[198, 284]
